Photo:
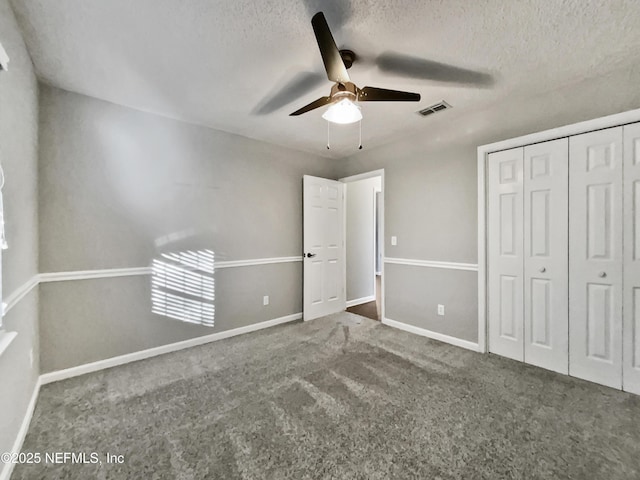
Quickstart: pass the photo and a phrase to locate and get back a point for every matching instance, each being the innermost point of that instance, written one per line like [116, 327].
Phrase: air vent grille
[425, 112]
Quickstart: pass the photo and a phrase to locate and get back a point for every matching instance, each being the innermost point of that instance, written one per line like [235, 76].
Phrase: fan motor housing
[348, 57]
[346, 90]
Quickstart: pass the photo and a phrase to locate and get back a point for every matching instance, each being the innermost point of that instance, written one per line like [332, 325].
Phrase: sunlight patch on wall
[183, 287]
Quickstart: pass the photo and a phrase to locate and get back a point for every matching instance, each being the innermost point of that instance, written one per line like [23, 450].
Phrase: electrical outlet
[394, 241]
[265, 300]
[440, 309]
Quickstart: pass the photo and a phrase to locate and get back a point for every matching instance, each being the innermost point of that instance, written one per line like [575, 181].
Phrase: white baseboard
[360, 301]
[152, 352]
[7, 468]
[458, 342]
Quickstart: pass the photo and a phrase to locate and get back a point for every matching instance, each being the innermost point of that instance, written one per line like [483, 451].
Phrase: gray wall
[118, 187]
[431, 193]
[413, 294]
[119, 318]
[430, 206]
[360, 237]
[18, 156]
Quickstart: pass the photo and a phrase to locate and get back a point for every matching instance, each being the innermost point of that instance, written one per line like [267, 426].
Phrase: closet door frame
[631, 267]
[632, 116]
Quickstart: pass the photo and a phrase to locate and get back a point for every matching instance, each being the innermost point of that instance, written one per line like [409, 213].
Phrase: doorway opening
[364, 243]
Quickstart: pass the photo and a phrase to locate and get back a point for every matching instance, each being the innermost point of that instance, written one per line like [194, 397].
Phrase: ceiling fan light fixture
[343, 112]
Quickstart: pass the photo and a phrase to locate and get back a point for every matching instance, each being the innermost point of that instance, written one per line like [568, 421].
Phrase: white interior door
[546, 231]
[631, 326]
[323, 207]
[505, 253]
[595, 257]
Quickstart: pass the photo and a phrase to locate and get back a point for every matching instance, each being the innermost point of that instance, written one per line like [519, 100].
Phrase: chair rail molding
[472, 267]
[22, 291]
[19, 293]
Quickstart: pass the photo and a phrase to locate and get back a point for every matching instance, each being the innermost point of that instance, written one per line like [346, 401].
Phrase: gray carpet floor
[341, 397]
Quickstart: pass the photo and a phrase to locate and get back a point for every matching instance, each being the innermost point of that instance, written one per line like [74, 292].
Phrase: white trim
[128, 272]
[18, 294]
[364, 176]
[383, 282]
[256, 261]
[618, 119]
[22, 291]
[5, 339]
[375, 234]
[458, 342]
[482, 256]
[7, 468]
[93, 274]
[152, 352]
[472, 267]
[345, 204]
[360, 301]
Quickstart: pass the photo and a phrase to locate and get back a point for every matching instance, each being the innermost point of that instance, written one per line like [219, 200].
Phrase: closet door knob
[542, 270]
[602, 274]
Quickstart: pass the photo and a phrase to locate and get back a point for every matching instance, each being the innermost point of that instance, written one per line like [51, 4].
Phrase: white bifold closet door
[631, 327]
[505, 253]
[546, 276]
[595, 257]
[528, 243]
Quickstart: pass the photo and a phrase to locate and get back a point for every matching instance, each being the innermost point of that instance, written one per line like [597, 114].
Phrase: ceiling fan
[344, 92]
[337, 62]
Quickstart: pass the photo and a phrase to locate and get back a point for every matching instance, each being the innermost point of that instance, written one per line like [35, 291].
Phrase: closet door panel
[505, 253]
[631, 327]
[595, 257]
[546, 230]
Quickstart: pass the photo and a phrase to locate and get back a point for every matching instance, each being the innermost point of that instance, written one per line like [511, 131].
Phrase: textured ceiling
[219, 63]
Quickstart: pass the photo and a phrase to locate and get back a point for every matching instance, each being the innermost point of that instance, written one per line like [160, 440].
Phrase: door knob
[311, 255]
[602, 274]
[542, 270]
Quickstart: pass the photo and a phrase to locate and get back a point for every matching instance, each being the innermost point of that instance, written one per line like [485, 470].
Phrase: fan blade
[301, 84]
[333, 64]
[337, 12]
[420, 68]
[321, 102]
[373, 94]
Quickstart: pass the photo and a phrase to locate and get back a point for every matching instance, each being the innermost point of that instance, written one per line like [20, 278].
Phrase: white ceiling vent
[434, 108]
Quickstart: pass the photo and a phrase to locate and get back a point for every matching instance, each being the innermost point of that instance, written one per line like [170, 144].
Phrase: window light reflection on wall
[183, 287]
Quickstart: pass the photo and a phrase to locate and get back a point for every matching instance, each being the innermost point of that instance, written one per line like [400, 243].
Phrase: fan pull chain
[359, 135]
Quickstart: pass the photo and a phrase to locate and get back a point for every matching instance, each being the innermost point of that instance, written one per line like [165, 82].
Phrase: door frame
[355, 178]
[307, 313]
[616, 120]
